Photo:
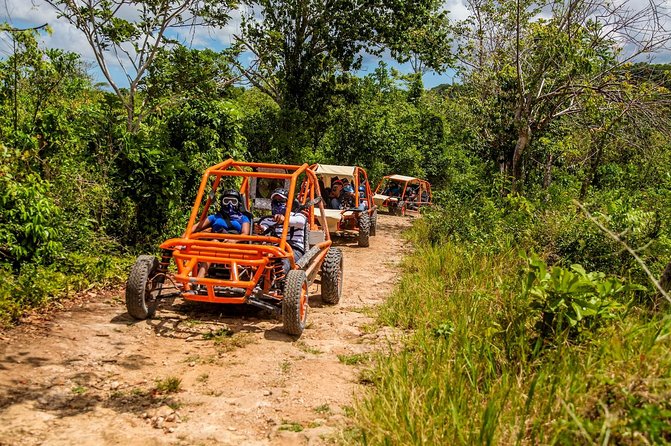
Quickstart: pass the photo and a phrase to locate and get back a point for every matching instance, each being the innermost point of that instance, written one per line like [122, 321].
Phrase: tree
[299, 46]
[32, 77]
[130, 33]
[541, 69]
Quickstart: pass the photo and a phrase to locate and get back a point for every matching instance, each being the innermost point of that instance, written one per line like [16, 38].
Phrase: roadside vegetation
[523, 322]
[532, 329]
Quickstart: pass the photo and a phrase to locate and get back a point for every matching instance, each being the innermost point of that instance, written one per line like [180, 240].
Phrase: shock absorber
[163, 265]
[277, 273]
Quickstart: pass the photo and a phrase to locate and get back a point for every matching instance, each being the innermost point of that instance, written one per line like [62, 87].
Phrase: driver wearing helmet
[274, 223]
[228, 219]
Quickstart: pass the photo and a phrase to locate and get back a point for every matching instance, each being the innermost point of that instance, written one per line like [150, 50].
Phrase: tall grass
[475, 370]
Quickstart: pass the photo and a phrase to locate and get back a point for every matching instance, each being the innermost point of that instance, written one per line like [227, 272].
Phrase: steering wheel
[269, 229]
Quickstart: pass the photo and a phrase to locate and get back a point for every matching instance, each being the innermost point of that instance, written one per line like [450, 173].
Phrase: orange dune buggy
[402, 195]
[357, 216]
[245, 268]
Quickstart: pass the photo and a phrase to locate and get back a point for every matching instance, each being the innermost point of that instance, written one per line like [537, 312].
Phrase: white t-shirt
[296, 236]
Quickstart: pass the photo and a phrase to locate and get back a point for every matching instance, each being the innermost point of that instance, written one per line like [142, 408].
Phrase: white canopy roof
[330, 170]
[401, 178]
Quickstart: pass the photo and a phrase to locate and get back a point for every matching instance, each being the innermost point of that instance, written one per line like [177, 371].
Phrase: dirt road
[93, 376]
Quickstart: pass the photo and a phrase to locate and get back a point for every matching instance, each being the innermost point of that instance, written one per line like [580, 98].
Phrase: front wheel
[295, 302]
[373, 223]
[364, 230]
[332, 276]
[139, 287]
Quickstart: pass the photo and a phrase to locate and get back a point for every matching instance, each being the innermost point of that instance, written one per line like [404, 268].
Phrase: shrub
[571, 300]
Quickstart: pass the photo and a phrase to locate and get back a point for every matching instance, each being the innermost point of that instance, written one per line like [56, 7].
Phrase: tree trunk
[594, 164]
[523, 137]
[547, 177]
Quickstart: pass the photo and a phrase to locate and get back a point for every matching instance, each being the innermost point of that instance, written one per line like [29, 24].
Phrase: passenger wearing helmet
[347, 197]
[228, 219]
[363, 202]
[275, 222]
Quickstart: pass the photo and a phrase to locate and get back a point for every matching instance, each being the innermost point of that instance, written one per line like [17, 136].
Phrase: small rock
[192, 364]
[232, 429]
[267, 392]
[170, 418]
[145, 415]
[158, 424]
[164, 411]
[114, 385]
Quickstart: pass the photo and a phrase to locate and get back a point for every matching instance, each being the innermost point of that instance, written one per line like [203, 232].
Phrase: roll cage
[251, 259]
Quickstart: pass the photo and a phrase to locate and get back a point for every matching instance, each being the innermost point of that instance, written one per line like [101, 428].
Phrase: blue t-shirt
[219, 223]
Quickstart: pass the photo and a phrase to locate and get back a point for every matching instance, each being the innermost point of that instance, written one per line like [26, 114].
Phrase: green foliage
[29, 217]
[469, 370]
[36, 285]
[170, 384]
[573, 299]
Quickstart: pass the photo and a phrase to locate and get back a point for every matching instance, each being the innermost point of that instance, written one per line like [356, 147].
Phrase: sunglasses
[230, 200]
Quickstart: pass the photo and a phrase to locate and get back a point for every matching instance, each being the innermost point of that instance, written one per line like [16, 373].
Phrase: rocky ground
[196, 374]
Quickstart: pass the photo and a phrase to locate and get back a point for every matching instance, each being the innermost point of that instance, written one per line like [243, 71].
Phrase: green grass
[227, 340]
[291, 426]
[218, 335]
[475, 371]
[354, 359]
[79, 390]
[171, 384]
[39, 285]
[323, 409]
[307, 349]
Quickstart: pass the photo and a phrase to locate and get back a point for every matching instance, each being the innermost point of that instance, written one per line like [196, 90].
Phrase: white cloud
[457, 9]
[29, 13]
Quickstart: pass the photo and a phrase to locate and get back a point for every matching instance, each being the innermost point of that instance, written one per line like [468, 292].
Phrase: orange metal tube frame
[191, 249]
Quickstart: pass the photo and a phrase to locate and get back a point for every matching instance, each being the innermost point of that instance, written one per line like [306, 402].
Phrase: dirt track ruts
[87, 375]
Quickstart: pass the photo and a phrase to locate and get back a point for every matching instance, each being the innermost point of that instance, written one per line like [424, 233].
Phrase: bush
[572, 300]
[37, 285]
[29, 217]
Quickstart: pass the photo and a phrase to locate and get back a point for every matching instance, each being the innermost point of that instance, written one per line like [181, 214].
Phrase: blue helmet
[348, 189]
[362, 188]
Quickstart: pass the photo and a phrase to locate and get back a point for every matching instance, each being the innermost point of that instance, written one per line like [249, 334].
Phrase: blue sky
[28, 13]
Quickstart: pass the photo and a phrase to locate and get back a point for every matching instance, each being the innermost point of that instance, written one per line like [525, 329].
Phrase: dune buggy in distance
[356, 214]
[402, 195]
[245, 268]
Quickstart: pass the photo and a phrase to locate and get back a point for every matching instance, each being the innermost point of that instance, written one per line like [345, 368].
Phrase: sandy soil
[90, 375]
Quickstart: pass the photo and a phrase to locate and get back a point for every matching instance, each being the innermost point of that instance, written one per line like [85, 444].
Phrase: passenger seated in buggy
[335, 195]
[228, 219]
[347, 197]
[393, 190]
[274, 224]
[363, 203]
[413, 197]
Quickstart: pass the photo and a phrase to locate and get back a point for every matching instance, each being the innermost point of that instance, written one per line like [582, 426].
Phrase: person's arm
[245, 225]
[199, 227]
[297, 220]
[262, 225]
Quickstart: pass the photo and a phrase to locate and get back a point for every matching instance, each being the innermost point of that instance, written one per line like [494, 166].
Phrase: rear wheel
[364, 230]
[332, 276]
[139, 287]
[373, 223]
[295, 302]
